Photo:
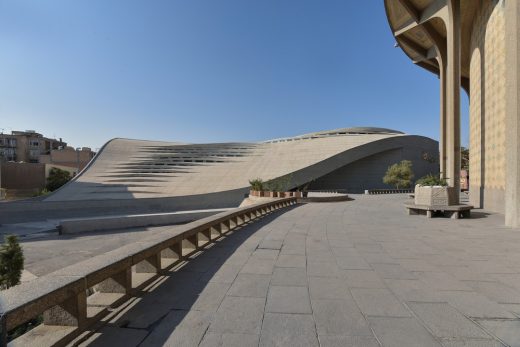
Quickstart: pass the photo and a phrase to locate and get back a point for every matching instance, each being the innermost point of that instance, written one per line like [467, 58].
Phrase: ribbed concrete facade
[352, 159]
[488, 108]
[471, 44]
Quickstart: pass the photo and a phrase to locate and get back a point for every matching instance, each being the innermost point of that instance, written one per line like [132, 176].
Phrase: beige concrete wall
[487, 108]
[68, 157]
[23, 176]
[512, 9]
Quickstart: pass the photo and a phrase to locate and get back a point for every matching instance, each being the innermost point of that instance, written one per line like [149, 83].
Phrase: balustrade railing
[74, 298]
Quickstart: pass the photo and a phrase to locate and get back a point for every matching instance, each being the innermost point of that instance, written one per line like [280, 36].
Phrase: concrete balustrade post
[71, 312]
[233, 223]
[118, 283]
[224, 227]
[215, 231]
[189, 244]
[151, 264]
[174, 251]
[204, 237]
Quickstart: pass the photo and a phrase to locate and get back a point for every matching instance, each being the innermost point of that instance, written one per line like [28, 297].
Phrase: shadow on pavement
[198, 285]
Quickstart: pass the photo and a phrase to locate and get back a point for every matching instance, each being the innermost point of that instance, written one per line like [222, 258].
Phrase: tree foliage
[11, 262]
[464, 158]
[432, 180]
[57, 178]
[280, 184]
[399, 175]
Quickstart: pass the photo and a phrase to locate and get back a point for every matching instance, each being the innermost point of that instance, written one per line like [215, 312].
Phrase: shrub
[399, 175]
[57, 178]
[256, 184]
[432, 180]
[11, 262]
[280, 184]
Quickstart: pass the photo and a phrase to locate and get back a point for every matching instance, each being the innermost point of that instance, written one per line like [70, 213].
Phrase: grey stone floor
[52, 252]
[357, 273]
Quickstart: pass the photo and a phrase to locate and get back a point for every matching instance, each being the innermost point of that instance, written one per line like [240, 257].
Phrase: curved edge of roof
[341, 131]
[90, 163]
[403, 48]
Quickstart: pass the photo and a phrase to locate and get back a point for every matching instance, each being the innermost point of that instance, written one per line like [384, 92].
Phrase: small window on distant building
[34, 153]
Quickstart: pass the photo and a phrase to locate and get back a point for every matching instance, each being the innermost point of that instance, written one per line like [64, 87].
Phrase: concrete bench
[453, 211]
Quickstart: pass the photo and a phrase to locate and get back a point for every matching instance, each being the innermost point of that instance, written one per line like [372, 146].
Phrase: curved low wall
[62, 298]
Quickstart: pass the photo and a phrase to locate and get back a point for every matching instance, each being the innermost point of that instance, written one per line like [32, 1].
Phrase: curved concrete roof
[127, 169]
[420, 29]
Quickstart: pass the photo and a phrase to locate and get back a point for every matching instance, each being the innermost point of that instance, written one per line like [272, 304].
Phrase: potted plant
[432, 190]
[256, 187]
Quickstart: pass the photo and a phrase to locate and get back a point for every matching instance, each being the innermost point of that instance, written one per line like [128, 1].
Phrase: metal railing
[62, 297]
[388, 191]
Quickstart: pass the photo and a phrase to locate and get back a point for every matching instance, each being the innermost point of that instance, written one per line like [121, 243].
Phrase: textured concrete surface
[130, 169]
[357, 273]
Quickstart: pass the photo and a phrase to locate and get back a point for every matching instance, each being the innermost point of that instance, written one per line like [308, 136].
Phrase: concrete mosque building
[215, 174]
[473, 44]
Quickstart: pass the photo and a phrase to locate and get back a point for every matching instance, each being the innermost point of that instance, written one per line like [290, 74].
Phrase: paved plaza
[356, 273]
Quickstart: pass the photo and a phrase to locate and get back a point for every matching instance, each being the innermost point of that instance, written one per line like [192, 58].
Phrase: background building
[26, 158]
[27, 146]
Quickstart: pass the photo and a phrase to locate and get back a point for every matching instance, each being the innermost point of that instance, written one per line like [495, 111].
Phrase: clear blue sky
[207, 70]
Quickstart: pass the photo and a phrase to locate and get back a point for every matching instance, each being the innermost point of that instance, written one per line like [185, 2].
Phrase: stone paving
[357, 273]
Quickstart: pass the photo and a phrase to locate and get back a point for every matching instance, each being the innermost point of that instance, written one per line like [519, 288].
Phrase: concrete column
[512, 198]
[453, 96]
[443, 121]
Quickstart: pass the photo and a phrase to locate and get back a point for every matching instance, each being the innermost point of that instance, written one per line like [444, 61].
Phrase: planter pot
[297, 194]
[435, 196]
[261, 193]
[271, 194]
[252, 193]
[281, 194]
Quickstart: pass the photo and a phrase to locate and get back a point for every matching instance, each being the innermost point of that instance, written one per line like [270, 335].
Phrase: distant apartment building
[27, 146]
[27, 157]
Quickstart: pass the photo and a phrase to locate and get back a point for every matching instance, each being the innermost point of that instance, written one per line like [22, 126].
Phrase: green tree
[11, 262]
[464, 158]
[57, 178]
[399, 175]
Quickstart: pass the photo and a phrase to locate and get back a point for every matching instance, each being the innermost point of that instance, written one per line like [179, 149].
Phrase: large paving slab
[358, 273]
